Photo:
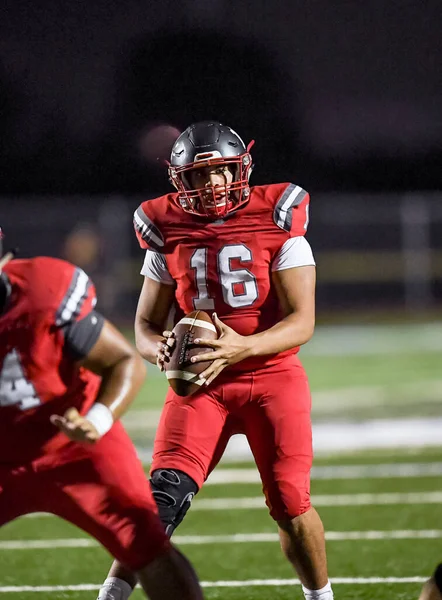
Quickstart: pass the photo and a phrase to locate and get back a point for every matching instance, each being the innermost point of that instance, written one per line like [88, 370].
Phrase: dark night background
[344, 99]
[339, 96]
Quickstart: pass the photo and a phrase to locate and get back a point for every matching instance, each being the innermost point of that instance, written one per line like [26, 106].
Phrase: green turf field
[381, 548]
[381, 508]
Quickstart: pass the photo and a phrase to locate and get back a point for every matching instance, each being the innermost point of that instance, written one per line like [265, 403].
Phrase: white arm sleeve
[155, 267]
[295, 252]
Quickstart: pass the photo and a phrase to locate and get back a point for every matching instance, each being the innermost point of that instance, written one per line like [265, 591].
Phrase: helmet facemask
[204, 201]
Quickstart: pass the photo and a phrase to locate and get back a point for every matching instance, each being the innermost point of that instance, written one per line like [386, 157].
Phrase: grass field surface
[375, 549]
[381, 507]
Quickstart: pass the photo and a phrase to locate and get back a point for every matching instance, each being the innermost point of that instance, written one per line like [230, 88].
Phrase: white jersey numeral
[239, 287]
[198, 262]
[15, 389]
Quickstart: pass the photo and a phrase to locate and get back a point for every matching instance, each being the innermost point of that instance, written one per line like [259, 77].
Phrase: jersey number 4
[15, 389]
[239, 287]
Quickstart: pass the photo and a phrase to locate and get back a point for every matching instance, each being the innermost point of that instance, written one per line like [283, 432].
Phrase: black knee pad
[173, 492]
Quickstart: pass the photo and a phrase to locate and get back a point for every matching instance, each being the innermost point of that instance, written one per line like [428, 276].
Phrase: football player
[432, 589]
[239, 253]
[66, 376]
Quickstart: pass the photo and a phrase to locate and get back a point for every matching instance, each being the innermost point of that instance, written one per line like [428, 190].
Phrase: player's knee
[173, 491]
[288, 501]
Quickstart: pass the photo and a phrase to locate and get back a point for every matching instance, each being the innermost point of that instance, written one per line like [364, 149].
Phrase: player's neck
[5, 292]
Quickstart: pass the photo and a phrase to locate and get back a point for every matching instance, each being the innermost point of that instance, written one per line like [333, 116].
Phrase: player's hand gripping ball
[181, 373]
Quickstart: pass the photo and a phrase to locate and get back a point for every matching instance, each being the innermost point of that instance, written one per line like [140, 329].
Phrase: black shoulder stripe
[292, 196]
[148, 230]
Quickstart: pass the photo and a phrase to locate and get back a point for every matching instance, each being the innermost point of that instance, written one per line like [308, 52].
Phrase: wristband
[101, 418]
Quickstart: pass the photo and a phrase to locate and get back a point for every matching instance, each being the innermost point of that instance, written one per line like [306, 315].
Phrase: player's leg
[187, 439]
[170, 577]
[16, 493]
[105, 493]
[173, 491]
[278, 428]
[432, 589]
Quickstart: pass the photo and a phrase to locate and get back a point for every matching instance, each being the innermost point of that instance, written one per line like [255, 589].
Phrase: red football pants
[102, 489]
[271, 406]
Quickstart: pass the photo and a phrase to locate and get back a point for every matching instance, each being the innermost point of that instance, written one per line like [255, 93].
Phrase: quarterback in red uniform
[66, 376]
[239, 253]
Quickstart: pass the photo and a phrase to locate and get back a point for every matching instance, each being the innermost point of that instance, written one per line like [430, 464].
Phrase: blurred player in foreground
[432, 589]
[66, 376]
[239, 253]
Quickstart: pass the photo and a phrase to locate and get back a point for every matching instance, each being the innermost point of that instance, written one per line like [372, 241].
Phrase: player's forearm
[295, 330]
[147, 337]
[120, 384]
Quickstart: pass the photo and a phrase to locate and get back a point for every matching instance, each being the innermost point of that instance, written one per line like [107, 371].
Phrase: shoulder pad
[78, 299]
[148, 234]
[292, 198]
[55, 287]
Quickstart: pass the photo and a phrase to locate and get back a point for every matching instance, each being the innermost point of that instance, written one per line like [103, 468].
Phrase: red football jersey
[37, 376]
[225, 265]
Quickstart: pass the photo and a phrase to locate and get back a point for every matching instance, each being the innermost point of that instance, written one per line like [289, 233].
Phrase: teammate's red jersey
[226, 265]
[38, 376]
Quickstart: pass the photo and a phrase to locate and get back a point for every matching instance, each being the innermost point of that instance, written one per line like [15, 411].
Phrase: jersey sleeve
[79, 323]
[295, 252]
[291, 212]
[78, 300]
[148, 234]
[81, 336]
[155, 267]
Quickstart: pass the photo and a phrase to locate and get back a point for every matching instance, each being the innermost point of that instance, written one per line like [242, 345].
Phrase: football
[182, 374]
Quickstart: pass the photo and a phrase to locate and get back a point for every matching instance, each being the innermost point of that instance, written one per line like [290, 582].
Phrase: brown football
[180, 372]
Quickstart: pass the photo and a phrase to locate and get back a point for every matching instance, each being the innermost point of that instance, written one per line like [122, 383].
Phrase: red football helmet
[211, 144]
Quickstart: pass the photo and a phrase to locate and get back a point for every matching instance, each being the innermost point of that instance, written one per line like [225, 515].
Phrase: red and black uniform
[48, 325]
[226, 266]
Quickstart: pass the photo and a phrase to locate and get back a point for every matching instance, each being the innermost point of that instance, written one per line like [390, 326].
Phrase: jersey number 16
[239, 286]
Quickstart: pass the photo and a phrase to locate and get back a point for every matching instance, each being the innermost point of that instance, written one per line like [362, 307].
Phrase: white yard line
[374, 339]
[337, 436]
[241, 538]
[89, 587]
[380, 471]
[47, 544]
[330, 401]
[328, 500]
